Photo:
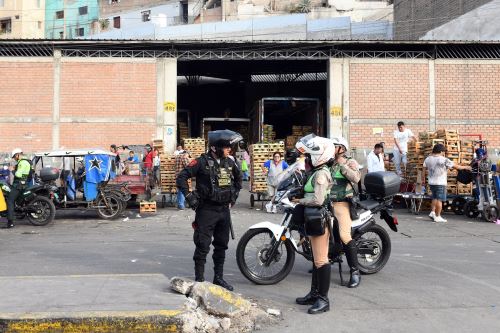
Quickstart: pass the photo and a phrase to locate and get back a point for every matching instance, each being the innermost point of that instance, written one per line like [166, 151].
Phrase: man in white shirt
[401, 137]
[375, 160]
[179, 150]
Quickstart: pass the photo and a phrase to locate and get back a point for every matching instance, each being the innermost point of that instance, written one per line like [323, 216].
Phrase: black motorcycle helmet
[222, 139]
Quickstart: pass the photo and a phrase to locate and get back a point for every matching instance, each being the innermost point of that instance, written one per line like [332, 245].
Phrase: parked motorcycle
[266, 252]
[32, 204]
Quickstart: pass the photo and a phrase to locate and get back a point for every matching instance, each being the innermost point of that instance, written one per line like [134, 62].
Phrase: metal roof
[261, 50]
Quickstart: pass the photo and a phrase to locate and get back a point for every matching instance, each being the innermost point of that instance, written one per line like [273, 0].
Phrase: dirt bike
[266, 252]
[36, 207]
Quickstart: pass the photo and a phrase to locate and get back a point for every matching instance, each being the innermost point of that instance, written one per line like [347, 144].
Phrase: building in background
[71, 18]
[481, 23]
[246, 20]
[415, 18]
[22, 19]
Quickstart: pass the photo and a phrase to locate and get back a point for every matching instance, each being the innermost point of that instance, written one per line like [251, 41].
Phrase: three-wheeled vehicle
[81, 178]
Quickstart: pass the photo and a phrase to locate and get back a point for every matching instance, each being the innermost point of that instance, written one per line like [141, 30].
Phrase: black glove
[193, 200]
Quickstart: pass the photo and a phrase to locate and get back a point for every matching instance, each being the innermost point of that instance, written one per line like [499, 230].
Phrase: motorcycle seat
[368, 204]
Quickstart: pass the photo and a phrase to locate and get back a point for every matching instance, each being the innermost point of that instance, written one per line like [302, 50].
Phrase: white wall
[161, 16]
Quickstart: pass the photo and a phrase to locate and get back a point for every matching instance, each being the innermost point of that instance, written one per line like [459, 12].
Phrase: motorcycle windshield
[286, 178]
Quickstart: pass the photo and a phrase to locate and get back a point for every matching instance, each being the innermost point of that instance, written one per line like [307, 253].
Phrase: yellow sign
[169, 106]
[336, 111]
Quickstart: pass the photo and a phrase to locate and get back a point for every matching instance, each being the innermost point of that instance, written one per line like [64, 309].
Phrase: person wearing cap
[218, 183]
[21, 172]
[437, 166]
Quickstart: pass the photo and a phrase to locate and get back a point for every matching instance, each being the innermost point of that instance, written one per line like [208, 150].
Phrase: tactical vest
[342, 187]
[221, 181]
[309, 187]
[24, 177]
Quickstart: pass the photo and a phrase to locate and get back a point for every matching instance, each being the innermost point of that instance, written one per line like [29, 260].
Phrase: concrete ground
[440, 277]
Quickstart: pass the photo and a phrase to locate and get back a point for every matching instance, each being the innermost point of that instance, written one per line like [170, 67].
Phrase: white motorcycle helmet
[320, 149]
[340, 141]
[16, 151]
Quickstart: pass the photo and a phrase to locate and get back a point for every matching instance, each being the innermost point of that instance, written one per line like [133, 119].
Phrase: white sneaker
[439, 219]
[432, 215]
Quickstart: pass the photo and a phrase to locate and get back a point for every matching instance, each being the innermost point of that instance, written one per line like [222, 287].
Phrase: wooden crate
[147, 207]
[464, 189]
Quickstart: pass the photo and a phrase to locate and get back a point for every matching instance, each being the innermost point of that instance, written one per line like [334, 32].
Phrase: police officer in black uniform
[218, 183]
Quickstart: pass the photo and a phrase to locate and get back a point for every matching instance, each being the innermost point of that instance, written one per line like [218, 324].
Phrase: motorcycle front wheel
[374, 249]
[253, 252]
[42, 211]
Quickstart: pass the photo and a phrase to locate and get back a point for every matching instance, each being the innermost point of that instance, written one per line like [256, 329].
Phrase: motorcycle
[32, 204]
[266, 252]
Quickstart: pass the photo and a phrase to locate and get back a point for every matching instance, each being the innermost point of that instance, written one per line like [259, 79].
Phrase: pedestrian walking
[437, 165]
[218, 183]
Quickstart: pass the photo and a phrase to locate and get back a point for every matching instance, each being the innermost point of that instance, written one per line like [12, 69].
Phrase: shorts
[438, 192]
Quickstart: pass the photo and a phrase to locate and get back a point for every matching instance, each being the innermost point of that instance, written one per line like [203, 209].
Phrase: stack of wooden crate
[158, 144]
[459, 152]
[415, 158]
[183, 131]
[466, 157]
[269, 134]
[167, 174]
[260, 153]
[195, 146]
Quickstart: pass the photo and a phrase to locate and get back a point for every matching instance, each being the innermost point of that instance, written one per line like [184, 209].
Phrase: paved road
[440, 277]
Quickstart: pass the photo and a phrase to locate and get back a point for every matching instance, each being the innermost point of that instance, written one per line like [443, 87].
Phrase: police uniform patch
[193, 163]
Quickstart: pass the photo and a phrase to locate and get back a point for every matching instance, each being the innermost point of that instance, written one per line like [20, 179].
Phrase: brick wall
[108, 90]
[385, 94]
[26, 90]
[29, 137]
[95, 135]
[469, 92]
[361, 136]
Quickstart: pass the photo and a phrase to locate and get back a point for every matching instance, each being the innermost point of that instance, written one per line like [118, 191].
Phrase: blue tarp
[97, 170]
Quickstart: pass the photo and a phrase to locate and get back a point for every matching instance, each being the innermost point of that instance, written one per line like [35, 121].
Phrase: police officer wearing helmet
[218, 183]
[320, 151]
[21, 172]
[346, 176]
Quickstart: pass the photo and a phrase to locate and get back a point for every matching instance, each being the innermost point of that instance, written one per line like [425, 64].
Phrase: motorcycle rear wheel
[46, 211]
[250, 257]
[377, 241]
[114, 208]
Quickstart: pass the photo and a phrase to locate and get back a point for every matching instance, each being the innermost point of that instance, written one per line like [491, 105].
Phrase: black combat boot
[310, 298]
[10, 224]
[199, 271]
[322, 303]
[351, 255]
[218, 277]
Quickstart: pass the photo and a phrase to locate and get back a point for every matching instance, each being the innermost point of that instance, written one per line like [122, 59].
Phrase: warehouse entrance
[282, 99]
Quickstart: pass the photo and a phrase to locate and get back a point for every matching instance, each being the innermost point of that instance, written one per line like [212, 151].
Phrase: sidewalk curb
[90, 322]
